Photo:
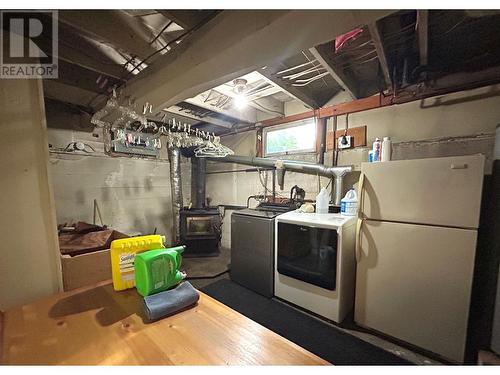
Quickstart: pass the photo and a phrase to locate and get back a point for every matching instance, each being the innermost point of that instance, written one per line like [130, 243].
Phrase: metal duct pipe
[174, 156]
[198, 183]
[295, 166]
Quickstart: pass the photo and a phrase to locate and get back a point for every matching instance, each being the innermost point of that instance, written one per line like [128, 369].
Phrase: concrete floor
[205, 271]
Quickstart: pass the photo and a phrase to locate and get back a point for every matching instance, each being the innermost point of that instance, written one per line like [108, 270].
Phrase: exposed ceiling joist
[379, 47]
[57, 90]
[97, 64]
[179, 111]
[268, 91]
[187, 18]
[218, 102]
[87, 79]
[423, 38]
[331, 70]
[268, 105]
[235, 43]
[114, 26]
[75, 50]
[293, 91]
[451, 83]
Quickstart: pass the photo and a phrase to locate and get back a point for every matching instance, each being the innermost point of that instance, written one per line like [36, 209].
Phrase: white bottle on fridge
[386, 149]
[322, 201]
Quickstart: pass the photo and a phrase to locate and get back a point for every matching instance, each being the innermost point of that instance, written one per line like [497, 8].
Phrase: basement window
[291, 138]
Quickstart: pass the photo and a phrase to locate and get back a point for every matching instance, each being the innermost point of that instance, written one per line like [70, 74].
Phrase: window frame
[287, 125]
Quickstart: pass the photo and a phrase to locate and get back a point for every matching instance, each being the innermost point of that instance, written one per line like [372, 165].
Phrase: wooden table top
[96, 325]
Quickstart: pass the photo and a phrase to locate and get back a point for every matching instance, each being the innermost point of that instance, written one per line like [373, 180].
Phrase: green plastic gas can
[158, 270]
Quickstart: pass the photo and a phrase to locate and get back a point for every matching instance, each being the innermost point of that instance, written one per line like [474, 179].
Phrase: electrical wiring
[72, 147]
[350, 49]
[265, 187]
[175, 40]
[329, 183]
[161, 31]
[315, 66]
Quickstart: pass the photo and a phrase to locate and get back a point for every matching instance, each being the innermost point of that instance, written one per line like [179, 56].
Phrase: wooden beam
[285, 119]
[358, 134]
[2, 325]
[116, 27]
[331, 70]
[379, 47]
[359, 105]
[188, 19]
[423, 37]
[236, 42]
[321, 134]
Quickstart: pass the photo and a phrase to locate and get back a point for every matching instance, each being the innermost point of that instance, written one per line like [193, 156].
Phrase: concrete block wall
[133, 193]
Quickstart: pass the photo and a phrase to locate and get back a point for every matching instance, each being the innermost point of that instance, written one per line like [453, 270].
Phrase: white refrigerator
[415, 248]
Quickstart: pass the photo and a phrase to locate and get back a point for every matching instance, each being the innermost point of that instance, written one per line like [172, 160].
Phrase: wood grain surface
[96, 325]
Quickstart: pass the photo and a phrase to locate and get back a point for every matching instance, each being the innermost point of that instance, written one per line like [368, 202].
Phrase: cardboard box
[87, 269]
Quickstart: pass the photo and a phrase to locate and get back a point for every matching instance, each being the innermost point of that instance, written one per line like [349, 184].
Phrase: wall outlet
[347, 144]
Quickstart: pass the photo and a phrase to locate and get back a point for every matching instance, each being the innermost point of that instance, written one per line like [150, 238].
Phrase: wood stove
[200, 231]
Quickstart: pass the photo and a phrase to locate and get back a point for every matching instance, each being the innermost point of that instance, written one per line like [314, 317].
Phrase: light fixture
[240, 100]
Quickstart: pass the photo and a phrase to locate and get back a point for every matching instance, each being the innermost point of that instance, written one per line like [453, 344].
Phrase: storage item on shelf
[322, 201]
[349, 204]
[386, 149]
[158, 270]
[377, 148]
[123, 253]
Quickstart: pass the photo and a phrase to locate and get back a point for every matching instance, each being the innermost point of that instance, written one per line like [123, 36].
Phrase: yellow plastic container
[123, 254]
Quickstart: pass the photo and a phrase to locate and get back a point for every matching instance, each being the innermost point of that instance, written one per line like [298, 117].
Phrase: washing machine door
[308, 253]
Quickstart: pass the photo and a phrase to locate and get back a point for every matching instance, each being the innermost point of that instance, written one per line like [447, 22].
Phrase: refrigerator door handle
[459, 166]
[361, 183]
[358, 240]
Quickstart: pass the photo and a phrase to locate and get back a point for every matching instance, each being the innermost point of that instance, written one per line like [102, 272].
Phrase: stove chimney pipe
[198, 182]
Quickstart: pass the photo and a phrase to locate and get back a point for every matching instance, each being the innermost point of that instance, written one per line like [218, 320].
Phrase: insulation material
[174, 156]
[341, 40]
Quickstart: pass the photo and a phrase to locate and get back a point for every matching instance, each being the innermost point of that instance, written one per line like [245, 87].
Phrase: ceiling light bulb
[240, 101]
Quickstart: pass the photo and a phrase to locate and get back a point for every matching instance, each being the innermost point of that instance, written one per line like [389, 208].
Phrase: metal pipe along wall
[294, 166]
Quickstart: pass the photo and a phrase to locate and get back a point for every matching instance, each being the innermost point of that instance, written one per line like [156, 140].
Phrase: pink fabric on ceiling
[341, 40]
